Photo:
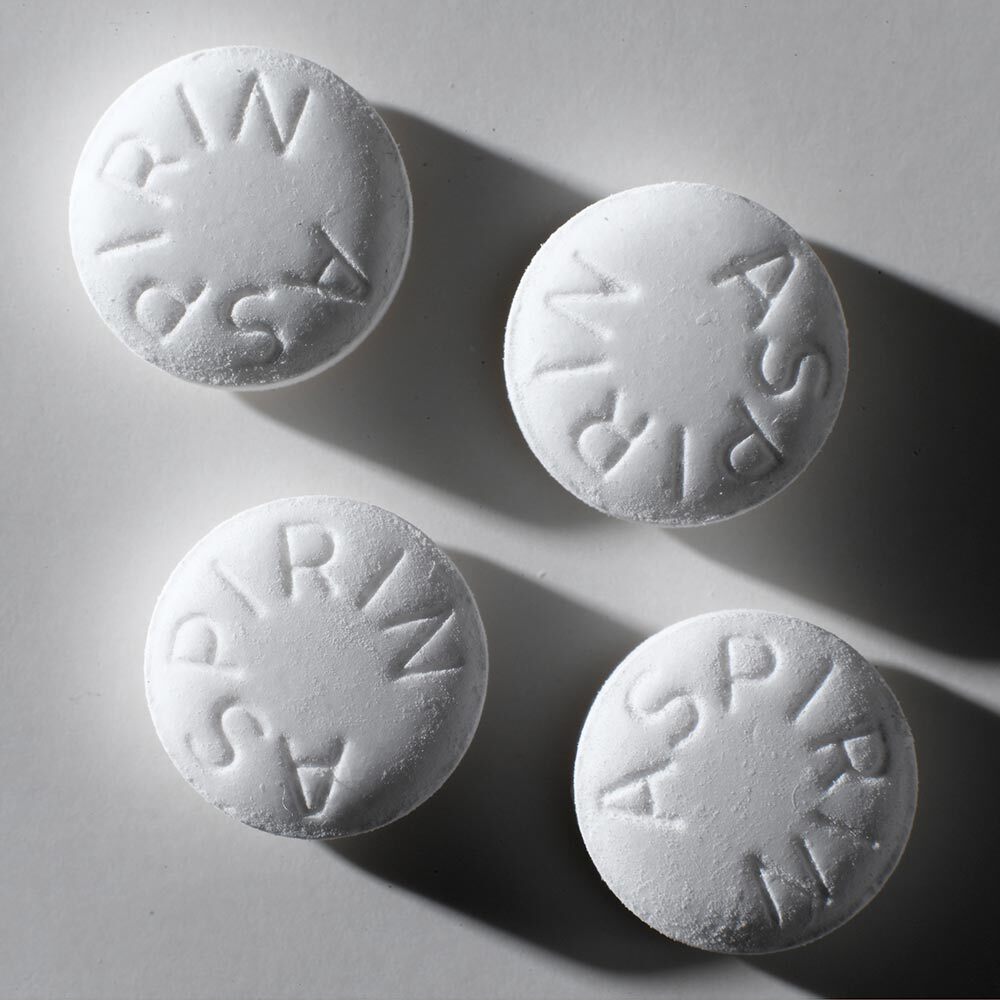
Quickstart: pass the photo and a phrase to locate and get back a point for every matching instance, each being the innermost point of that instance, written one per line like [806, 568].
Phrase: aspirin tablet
[675, 354]
[745, 782]
[315, 667]
[240, 217]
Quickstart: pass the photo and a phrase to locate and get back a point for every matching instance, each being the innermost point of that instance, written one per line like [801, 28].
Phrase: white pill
[745, 782]
[675, 354]
[240, 217]
[316, 667]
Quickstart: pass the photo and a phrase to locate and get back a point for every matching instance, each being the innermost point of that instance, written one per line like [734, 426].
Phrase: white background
[872, 128]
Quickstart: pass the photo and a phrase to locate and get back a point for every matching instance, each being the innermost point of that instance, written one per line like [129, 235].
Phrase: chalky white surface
[675, 353]
[240, 217]
[745, 782]
[816, 111]
[316, 667]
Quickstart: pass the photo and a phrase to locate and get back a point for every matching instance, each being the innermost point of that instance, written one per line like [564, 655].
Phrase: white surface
[240, 217]
[873, 126]
[315, 667]
[675, 354]
[745, 782]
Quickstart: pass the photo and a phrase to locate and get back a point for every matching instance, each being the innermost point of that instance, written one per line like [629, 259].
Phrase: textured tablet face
[240, 217]
[316, 667]
[676, 354]
[745, 782]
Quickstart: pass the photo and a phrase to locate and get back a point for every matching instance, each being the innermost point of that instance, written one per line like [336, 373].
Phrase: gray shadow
[931, 932]
[499, 841]
[894, 522]
[425, 392]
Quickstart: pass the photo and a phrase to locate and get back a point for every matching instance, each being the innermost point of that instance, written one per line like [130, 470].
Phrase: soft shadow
[931, 932]
[499, 841]
[425, 392]
[894, 522]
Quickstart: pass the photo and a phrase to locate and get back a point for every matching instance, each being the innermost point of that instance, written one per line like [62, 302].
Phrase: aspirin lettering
[332, 276]
[239, 310]
[240, 169]
[133, 241]
[773, 818]
[644, 796]
[700, 310]
[794, 894]
[673, 481]
[233, 585]
[750, 455]
[741, 659]
[233, 730]
[860, 833]
[788, 374]
[424, 633]
[190, 116]
[762, 276]
[603, 436]
[653, 701]
[315, 667]
[595, 312]
[160, 309]
[197, 640]
[860, 753]
[795, 885]
[306, 557]
[236, 736]
[252, 94]
[790, 896]
[314, 779]
[305, 553]
[255, 95]
[819, 675]
[333, 273]
[254, 311]
[248, 310]
[424, 651]
[653, 698]
[371, 588]
[330, 272]
[599, 437]
[305, 562]
[130, 163]
[795, 373]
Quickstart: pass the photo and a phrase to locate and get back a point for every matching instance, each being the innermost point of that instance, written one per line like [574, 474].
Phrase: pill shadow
[931, 932]
[425, 392]
[895, 519]
[499, 841]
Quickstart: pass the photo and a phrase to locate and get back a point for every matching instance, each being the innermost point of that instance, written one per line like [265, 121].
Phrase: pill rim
[516, 393]
[475, 624]
[907, 742]
[377, 314]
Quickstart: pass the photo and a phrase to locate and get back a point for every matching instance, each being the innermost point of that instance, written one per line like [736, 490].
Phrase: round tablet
[675, 354]
[240, 217]
[315, 667]
[745, 782]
